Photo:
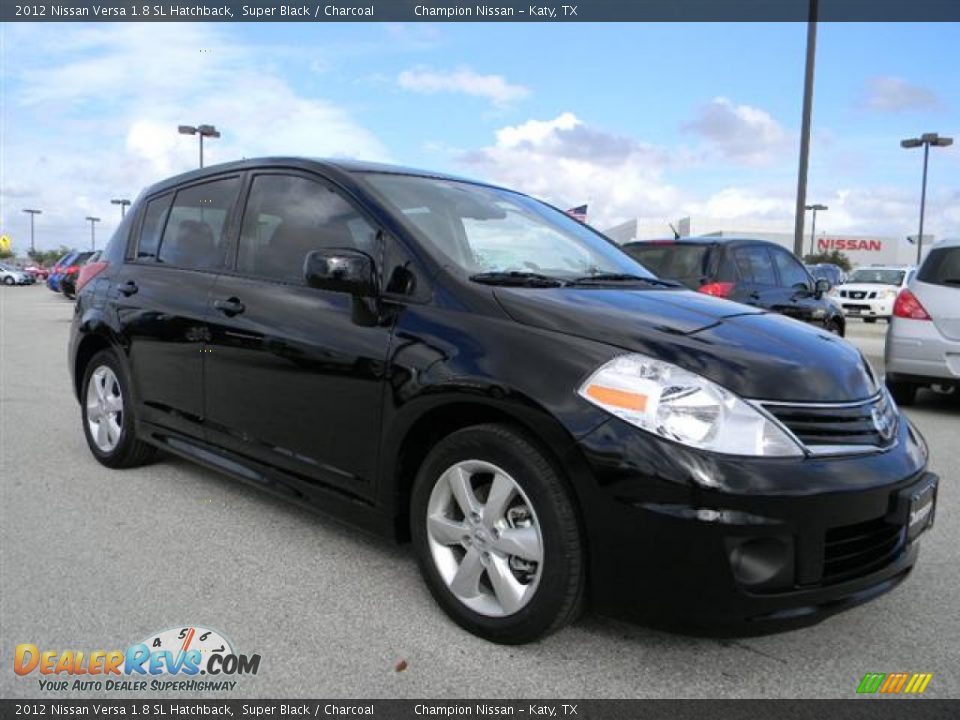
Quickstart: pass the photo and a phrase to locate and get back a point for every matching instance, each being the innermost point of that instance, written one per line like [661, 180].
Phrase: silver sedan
[923, 340]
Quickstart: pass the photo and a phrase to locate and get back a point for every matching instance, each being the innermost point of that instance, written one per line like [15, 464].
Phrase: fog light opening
[756, 562]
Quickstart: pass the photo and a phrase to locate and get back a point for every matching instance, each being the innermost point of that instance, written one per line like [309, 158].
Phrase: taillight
[717, 289]
[907, 306]
[89, 271]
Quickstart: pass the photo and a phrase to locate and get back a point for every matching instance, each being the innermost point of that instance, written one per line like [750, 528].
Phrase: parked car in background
[68, 280]
[869, 292]
[753, 272]
[56, 272]
[833, 274]
[39, 272]
[10, 275]
[463, 366]
[923, 340]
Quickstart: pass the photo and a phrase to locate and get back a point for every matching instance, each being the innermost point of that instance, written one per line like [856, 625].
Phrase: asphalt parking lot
[98, 559]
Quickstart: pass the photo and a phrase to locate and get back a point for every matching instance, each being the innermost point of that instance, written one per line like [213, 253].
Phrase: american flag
[578, 213]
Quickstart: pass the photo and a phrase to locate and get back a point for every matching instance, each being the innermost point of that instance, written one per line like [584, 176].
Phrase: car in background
[870, 292]
[749, 271]
[39, 272]
[10, 275]
[56, 272]
[833, 274]
[923, 340]
[68, 280]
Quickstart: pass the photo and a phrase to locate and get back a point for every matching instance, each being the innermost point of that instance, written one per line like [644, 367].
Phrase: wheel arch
[91, 343]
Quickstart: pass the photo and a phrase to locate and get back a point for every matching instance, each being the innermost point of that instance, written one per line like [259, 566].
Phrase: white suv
[870, 292]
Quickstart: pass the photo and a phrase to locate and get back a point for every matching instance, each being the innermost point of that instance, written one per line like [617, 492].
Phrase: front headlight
[889, 293]
[682, 406]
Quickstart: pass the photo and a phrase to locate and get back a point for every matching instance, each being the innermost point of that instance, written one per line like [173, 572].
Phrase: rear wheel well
[89, 346]
[433, 427]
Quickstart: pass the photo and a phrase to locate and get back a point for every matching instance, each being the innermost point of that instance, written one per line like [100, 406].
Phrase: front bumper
[773, 544]
[872, 308]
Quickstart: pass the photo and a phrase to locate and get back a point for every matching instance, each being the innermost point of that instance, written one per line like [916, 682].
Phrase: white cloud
[95, 114]
[463, 80]
[894, 94]
[567, 162]
[743, 134]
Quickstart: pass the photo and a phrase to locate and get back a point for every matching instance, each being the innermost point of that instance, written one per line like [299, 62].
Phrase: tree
[4, 254]
[834, 257]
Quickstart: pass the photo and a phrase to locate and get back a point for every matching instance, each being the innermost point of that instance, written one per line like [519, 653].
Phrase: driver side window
[792, 274]
[288, 216]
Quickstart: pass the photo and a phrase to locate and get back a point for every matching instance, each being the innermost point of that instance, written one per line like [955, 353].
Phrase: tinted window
[288, 216]
[792, 274]
[755, 265]
[686, 263]
[942, 267]
[194, 236]
[153, 219]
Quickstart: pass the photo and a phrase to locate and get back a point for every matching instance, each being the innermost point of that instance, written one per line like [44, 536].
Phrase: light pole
[93, 240]
[805, 128]
[122, 202]
[203, 131]
[33, 213]
[813, 224]
[927, 139]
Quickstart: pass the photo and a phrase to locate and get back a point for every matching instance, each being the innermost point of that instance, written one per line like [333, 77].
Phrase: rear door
[162, 295]
[937, 287]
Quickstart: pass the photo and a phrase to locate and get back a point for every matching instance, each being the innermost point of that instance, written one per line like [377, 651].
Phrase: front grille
[855, 550]
[872, 423]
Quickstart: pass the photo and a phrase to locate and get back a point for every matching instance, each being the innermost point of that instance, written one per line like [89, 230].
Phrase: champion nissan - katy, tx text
[462, 365]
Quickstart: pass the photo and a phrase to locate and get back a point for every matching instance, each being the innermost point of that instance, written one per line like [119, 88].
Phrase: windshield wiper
[602, 278]
[517, 277]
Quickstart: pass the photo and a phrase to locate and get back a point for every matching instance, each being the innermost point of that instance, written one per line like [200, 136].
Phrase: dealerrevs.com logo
[173, 659]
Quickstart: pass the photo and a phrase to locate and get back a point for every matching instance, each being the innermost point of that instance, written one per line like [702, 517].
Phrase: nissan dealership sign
[829, 244]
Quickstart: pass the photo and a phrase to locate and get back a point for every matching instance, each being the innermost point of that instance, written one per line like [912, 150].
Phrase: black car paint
[804, 304]
[331, 400]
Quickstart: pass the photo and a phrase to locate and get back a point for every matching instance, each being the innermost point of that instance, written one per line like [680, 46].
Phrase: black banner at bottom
[856, 709]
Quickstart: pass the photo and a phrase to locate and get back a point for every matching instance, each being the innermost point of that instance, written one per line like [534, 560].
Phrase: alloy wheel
[104, 408]
[485, 538]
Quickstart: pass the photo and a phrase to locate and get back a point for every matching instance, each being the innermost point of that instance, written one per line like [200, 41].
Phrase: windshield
[877, 276]
[481, 230]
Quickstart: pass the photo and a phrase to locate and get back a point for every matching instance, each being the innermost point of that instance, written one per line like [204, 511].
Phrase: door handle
[230, 306]
[128, 288]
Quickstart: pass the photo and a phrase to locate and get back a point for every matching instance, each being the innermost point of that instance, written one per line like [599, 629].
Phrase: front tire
[107, 414]
[497, 535]
[8, 280]
[904, 393]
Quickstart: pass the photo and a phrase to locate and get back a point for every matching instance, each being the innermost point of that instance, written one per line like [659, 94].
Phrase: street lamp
[122, 202]
[93, 241]
[813, 224]
[927, 139]
[33, 213]
[203, 131]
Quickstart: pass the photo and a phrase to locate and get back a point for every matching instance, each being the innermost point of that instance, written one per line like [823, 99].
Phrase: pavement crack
[749, 648]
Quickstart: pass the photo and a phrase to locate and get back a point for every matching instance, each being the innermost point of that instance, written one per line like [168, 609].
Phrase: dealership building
[861, 249]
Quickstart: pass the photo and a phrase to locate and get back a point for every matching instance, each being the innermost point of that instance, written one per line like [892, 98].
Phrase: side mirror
[340, 270]
[821, 287]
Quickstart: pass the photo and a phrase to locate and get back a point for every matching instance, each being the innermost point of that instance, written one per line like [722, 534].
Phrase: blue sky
[656, 121]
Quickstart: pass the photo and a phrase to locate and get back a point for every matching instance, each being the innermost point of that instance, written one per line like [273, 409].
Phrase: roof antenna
[676, 235]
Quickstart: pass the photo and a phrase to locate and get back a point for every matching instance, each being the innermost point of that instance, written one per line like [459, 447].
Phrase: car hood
[755, 354]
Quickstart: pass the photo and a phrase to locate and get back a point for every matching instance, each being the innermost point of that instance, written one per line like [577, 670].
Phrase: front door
[294, 375]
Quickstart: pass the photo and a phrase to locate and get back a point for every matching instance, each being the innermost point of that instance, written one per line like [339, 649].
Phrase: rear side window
[195, 233]
[153, 219]
[288, 216]
[755, 265]
[942, 267]
[687, 263]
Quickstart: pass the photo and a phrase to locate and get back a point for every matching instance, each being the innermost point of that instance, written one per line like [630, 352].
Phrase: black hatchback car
[464, 366]
[754, 272]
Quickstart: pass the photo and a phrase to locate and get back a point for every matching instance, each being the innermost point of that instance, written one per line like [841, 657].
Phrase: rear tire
[107, 415]
[511, 566]
[904, 393]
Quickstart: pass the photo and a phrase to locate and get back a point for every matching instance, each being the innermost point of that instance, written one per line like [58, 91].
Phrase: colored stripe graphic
[894, 683]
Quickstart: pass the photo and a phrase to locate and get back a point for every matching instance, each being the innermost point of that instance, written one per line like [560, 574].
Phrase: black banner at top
[546, 11]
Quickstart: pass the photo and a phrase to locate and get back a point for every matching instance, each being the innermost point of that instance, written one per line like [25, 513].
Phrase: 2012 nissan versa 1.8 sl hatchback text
[464, 366]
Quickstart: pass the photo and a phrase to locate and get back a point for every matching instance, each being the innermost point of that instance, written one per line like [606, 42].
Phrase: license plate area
[921, 508]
